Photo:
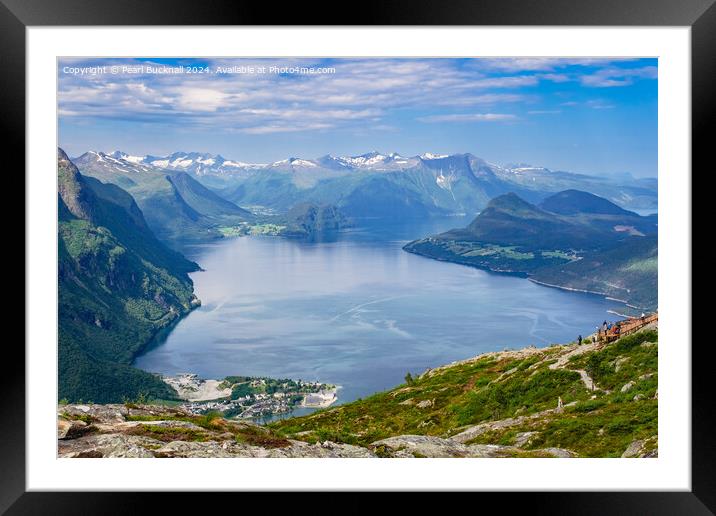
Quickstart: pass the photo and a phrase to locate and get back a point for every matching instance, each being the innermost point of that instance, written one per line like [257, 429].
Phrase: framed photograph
[439, 249]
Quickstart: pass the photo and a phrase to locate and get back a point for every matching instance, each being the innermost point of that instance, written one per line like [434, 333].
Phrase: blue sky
[596, 116]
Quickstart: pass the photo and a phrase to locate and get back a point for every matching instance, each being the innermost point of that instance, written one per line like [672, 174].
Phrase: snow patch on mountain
[431, 156]
[181, 163]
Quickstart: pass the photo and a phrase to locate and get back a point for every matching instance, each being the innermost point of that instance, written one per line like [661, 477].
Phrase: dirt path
[578, 350]
[586, 379]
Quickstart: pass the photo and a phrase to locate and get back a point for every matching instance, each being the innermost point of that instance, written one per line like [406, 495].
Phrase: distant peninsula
[572, 240]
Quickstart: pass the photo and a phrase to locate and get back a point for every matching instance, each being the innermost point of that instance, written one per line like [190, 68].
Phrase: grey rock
[627, 386]
[205, 449]
[633, 449]
[132, 446]
[490, 451]
[101, 413]
[476, 430]
[523, 438]
[434, 447]
[424, 445]
[642, 448]
[108, 446]
[63, 428]
[186, 425]
[557, 452]
[71, 429]
[619, 362]
[328, 449]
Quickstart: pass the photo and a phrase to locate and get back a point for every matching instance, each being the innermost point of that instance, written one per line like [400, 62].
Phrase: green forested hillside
[310, 220]
[628, 272]
[117, 286]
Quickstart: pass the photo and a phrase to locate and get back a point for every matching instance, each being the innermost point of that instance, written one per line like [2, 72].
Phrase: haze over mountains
[372, 185]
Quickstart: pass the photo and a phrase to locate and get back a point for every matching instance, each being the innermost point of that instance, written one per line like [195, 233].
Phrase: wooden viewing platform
[625, 327]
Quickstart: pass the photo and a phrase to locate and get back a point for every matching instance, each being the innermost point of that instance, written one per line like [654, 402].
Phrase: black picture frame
[700, 15]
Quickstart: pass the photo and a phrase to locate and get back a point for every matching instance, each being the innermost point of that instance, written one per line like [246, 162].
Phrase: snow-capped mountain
[448, 182]
[429, 156]
[200, 163]
[194, 162]
[293, 163]
[114, 161]
[374, 161]
[124, 156]
[377, 161]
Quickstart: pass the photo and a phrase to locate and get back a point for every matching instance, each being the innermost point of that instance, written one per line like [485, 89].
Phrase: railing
[626, 327]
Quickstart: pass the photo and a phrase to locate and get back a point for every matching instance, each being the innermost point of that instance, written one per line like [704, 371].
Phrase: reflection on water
[356, 311]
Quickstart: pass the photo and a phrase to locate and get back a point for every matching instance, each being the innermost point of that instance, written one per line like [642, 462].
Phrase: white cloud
[278, 128]
[556, 77]
[487, 98]
[469, 117]
[600, 104]
[199, 99]
[611, 77]
[542, 64]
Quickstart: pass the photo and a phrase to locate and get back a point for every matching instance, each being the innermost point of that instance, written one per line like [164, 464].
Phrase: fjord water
[356, 311]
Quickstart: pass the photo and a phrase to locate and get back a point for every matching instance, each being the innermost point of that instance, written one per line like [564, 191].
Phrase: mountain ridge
[178, 208]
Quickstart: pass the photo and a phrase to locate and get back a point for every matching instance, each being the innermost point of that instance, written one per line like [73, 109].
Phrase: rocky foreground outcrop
[141, 431]
[86, 431]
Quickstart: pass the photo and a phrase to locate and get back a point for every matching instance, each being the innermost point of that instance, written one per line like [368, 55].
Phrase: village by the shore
[249, 398]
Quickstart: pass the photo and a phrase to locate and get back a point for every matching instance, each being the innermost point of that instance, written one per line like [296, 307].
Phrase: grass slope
[510, 394]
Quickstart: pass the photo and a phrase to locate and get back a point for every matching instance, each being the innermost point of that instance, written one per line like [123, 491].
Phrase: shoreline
[146, 346]
[526, 276]
[516, 274]
[585, 291]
